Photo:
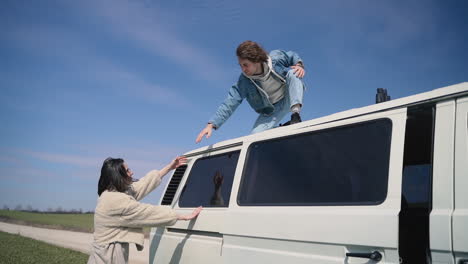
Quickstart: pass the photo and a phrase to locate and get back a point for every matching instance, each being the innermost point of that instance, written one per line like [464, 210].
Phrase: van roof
[413, 100]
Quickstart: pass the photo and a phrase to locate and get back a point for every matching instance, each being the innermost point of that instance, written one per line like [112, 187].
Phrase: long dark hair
[113, 176]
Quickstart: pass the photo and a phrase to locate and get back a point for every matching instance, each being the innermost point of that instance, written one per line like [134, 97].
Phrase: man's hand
[299, 71]
[179, 161]
[218, 179]
[206, 131]
[191, 216]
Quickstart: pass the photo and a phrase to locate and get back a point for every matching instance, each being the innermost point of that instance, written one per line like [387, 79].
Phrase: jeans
[293, 95]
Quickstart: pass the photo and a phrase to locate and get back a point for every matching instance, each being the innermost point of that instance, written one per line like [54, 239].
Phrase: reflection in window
[338, 166]
[417, 185]
[416, 196]
[209, 182]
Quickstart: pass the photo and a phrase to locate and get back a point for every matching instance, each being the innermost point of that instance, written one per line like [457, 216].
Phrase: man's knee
[294, 82]
[291, 75]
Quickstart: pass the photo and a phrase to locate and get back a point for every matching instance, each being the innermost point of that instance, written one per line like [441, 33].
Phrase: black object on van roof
[381, 96]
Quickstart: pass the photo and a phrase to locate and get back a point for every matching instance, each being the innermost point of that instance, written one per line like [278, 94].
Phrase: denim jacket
[246, 89]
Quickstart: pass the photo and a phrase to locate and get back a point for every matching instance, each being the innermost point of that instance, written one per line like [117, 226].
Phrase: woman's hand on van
[206, 131]
[179, 161]
[174, 164]
[191, 216]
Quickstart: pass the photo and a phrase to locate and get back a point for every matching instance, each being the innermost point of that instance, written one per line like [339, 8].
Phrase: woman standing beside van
[119, 217]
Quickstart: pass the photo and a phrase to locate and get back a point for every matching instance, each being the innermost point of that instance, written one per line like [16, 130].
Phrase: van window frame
[210, 156]
[319, 204]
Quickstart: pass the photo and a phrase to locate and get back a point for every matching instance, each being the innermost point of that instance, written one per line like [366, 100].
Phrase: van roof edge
[435, 95]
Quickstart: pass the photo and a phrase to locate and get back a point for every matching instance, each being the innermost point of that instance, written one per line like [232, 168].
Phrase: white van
[386, 183]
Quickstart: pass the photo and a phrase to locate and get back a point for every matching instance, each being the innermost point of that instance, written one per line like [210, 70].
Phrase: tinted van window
[339, 166]
[209, 182]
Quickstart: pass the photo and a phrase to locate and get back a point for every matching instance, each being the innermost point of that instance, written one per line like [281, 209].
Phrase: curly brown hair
[251, 51]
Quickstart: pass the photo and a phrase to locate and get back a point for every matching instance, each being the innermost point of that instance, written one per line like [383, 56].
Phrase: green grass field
[77, 222]
[74, 222]
[16, 249]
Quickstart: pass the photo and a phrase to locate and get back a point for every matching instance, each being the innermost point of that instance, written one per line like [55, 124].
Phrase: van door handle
[375, 256]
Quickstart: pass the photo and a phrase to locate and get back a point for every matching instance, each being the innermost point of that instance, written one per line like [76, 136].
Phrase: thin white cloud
[143, 25]
[22, 157]
[57, 43]
[142, 159]
[131, 84]
[86, 159]
[68, 159]
[5, 159]
[26, 174]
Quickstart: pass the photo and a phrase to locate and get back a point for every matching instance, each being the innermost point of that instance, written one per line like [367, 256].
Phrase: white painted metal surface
[440, 228]
[324, 234]
[460, 215]
[319, 234]
[185, 247]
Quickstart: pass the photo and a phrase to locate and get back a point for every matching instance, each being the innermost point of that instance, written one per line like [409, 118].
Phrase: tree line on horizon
[58, 210]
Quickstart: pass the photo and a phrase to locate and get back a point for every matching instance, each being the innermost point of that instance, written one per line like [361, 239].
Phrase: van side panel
[319, 234]
[199, 240]
[185, 247]
[260, 225]
[442, 197]
[260, 250]
[460, 216]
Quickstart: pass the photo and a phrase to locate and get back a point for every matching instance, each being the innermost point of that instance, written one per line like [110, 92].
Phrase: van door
[328, 193]
[460, 215]
[442, 185]
[207, 182]
[416, 205]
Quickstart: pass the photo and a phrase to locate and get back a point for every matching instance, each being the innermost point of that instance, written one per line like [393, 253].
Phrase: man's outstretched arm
[206, 131]
[225, 110]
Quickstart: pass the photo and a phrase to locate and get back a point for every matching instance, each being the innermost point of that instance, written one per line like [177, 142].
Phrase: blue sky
[84, 80]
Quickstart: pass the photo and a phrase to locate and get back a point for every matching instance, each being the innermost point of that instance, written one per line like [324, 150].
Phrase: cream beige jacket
[119, 217]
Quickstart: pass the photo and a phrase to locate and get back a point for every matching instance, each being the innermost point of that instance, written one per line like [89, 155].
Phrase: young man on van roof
[271, 84]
